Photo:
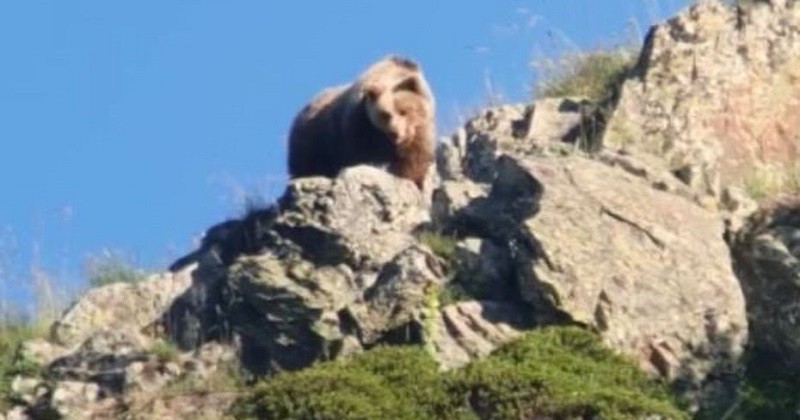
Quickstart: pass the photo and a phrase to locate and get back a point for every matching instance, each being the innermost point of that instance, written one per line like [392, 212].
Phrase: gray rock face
[522, 129]
[119, 306]
[401, 301]
[288, 304]
[613, 243]
[337, 220]
[655, 279]
[767, 252]
[465, 331]
[715, 92]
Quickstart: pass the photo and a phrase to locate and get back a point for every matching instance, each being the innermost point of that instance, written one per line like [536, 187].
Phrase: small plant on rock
[164, 351]
[112, 267]
[596, 75]
[440, 244]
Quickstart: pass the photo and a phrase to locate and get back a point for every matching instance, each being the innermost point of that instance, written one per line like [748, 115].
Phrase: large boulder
[130, 306]
[716, 92]
[613, 243]
[288, 304]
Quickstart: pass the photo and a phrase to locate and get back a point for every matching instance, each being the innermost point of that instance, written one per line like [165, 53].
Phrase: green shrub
[550, 373]
[11, 365]
[440, 244]
[560, 373]
[398, 381]
[164, 351]
[453, 292]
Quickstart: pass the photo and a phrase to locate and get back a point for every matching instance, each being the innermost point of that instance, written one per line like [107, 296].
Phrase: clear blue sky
[136, 125]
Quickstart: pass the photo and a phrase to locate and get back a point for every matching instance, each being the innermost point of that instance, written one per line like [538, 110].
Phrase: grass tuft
[440, 244]
[164, 351]
[11, 364]
[112, 267]
[596, 75]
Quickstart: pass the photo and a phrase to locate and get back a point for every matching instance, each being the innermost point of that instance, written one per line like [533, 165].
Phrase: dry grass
[594, 75]
[770, 181]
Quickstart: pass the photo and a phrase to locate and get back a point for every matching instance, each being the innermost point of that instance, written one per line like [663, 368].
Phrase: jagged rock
[337, 220]
[102, 360]
[655, 172]
[452, 196]
[483, 270]
[207, 360]
[516, 129]
[465, 331]
[449, 156]
[648, 269]
[614, 243]
[74, 399]
[556, 120]
[130, 306]
[715, 92]
[27, 390]
[41, 351]
[286, 303]
[767, 255]
[737, 207]
[401, 300]
[16, 413]
[288, 309]
[196, 316]
[206, 405]
[150, 375]
[110, 375]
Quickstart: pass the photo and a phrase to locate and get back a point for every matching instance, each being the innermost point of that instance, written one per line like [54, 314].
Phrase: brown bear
[385, 117]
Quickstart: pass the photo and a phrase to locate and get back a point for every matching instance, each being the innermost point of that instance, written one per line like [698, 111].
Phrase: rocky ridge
[525, 228]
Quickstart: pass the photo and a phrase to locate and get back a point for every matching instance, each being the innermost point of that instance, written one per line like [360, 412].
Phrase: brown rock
[716, 91]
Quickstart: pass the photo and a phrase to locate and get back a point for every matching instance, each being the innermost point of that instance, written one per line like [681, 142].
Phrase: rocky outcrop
[531, 223]
[524, 230]
[119, 306]
[767, 254]
[105, 348]
[601, 243]
[716, 92]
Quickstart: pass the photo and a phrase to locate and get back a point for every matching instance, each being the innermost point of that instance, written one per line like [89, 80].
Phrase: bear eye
[385, 115]
[403, 112]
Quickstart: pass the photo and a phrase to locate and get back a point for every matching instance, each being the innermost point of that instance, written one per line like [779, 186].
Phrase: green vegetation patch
[550, 373]
[11, 365]
[441, 244]
[401, 382]
[112, 267]
[164, 351]
[561, 373]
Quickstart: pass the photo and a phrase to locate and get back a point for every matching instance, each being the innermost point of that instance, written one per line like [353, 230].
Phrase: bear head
[399, 112]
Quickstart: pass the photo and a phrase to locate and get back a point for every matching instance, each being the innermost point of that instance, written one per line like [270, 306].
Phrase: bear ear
[410, 84]
[405, 62]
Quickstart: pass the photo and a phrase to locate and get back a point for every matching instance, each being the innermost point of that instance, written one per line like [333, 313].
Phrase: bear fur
[385, 117]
